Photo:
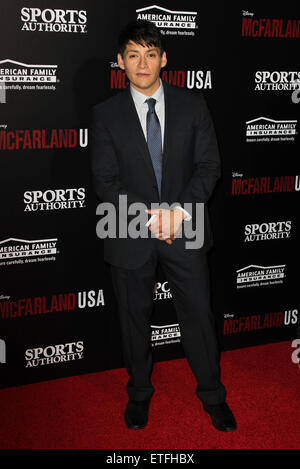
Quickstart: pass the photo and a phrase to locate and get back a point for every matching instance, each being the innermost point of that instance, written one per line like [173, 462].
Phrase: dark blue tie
[154, 140]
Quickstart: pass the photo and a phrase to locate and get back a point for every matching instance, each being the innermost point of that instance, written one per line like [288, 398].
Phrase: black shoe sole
[218, 427]
[135, 427]
[224, 429]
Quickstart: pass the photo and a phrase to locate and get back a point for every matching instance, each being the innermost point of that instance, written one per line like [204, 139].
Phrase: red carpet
[263, 390]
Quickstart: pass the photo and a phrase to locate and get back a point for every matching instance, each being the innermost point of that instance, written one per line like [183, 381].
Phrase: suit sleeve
[206, 159]
[105, 168]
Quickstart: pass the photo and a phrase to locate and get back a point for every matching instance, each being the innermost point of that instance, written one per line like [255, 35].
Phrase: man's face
[142, 65]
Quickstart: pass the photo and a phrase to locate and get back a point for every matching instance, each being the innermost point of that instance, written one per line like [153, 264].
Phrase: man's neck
[149, 91]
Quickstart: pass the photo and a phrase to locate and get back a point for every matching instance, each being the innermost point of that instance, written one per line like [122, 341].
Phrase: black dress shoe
[136, 414]
[221, 416]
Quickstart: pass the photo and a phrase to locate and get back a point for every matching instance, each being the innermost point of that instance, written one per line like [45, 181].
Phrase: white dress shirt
[142, 110]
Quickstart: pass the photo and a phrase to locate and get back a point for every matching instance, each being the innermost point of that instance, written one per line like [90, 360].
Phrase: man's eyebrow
[134, 50]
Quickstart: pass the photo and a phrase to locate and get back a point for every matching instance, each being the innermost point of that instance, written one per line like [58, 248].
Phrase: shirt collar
[140, 98]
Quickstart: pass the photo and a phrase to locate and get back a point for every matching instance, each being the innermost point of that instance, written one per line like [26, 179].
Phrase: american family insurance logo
[165, 335]
[19, 76]
[19, 72]
[263, 129]
[20, 251]
[179, 22]
[258, 275]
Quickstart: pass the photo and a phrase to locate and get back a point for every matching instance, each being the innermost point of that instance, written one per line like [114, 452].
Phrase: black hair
[141, 32]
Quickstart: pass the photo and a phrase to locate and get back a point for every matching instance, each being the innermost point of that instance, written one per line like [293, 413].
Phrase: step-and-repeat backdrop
[58, 314]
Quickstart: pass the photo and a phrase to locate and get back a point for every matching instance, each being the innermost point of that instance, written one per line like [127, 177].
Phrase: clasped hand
[167, 223]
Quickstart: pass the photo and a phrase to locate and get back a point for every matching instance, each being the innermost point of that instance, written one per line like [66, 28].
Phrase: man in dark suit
[154, 143]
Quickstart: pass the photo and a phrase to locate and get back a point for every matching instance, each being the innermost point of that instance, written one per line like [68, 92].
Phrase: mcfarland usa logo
[263, 129]
[181, 23]
[258, 321]
[190, 79]
[53, 20]
[52, 354]
[264, 184]
[57, 199]
[40, 305]
[270, 27]
[268, 231]
[276, 80]
[42, 139]
[258, 276]
[20, 251]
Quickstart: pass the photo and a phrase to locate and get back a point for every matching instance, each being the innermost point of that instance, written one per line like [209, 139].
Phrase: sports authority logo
[268, 231]
[42, 139]
[52, 354]
[263, 129]
[263, 184]
[40, 305]
[57, 199]
[165, 335]
[53, 20]
[177, 21]
[269, 27]
[162, 291]
[258, 321]
[18, 251]
[276, 80]
[2, 351]
[258, 275]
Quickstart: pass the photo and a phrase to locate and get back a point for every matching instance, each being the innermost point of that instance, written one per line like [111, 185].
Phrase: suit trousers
[188, 277]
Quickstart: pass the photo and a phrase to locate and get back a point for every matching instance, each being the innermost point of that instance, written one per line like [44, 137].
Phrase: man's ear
[163, 60]
[120, 61]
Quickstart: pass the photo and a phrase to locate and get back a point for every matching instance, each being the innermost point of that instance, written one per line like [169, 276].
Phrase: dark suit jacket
[121, 163]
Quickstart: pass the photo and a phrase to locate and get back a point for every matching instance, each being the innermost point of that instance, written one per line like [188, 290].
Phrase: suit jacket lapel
[170, 116]
[134, 129]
